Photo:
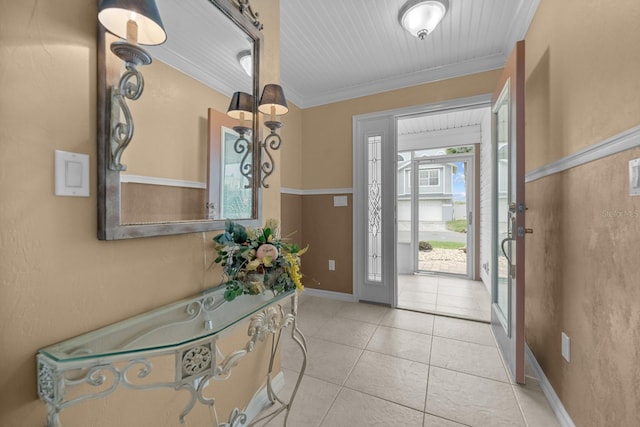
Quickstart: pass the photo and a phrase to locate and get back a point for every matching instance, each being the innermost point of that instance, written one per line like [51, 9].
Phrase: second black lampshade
[241, 102]
[273, 96]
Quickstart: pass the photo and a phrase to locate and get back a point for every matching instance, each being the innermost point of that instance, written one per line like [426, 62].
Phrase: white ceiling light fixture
[246, 61]
[420, 17]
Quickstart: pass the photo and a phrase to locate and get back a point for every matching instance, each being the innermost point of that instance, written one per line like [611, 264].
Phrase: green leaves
[234, 289]
[266, 236]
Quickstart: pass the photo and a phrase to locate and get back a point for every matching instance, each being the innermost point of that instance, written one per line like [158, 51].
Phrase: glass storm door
[443, 208]
[507, 312]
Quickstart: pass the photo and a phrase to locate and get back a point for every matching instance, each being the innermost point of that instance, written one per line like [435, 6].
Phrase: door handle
[504, 252]
[512, 270]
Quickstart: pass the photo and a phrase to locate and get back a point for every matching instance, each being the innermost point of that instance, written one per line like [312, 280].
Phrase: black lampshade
[273, 96]
[114, 15]
[241, 102]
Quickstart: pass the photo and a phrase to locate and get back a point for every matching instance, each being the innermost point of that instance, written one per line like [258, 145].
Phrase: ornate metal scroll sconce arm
[241, 108]
[124, 19]
[244, 146]
[130, 87]
[271, 142]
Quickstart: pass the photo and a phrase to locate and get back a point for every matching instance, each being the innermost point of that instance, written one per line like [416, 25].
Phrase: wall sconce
[273, 103]
[137, 22]
[421, 17]
[241, 108]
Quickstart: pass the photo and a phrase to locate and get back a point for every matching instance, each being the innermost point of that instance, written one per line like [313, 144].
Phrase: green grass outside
[457, 225]
[447, 245]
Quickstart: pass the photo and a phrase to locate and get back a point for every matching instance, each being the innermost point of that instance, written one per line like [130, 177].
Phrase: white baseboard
[329, 294]
[558, 408]
[260, 400]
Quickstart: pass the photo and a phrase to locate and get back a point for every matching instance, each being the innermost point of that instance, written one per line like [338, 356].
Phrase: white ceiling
[332, 50]
[204, 44]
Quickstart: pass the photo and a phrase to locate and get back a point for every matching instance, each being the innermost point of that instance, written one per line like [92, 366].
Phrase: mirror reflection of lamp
[241, 108]
[273, 103]
[137, 22]
[246, 62]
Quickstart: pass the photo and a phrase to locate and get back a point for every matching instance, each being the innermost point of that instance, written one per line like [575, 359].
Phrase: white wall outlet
[566, 347]
[332, 264]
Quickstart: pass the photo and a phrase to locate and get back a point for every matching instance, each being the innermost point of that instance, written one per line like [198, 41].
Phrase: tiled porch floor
[446, 295]
[370, 365]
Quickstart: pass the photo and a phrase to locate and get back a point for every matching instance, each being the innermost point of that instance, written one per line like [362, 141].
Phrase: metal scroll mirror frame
[110, 223]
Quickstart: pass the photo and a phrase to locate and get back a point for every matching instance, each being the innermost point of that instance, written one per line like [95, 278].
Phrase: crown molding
[431, 75]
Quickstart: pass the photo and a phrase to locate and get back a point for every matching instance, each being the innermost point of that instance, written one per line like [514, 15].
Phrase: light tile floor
[447, 295]
[370, 365]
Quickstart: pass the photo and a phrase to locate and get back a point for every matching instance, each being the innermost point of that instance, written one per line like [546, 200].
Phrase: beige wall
[327, 132]
[171, 125]
[291, 151]
[56, 279]
[328, 232]
[292, 219]
[582, 260]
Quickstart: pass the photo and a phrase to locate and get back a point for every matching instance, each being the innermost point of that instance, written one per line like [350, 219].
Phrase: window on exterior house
[429, 178]
[407, 180]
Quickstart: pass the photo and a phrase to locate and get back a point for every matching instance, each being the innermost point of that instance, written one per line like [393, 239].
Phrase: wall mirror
[182, 169]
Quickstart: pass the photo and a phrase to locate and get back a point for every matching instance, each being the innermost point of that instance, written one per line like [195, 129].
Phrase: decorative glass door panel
[374, 214]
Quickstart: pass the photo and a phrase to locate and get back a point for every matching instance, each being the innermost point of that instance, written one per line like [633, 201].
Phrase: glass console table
[95, 364]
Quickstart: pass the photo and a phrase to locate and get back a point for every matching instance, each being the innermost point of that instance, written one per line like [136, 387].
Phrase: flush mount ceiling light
[246, 61]
[420, 17]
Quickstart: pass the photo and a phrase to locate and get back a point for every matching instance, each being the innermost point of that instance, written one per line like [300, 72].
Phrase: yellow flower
[253, 265]
[251, 234]
[293, 269]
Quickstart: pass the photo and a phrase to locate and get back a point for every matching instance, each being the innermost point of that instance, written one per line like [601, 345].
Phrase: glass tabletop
[179, 323]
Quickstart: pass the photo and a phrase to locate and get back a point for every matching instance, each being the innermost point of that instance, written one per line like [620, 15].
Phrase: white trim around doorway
[478, 101]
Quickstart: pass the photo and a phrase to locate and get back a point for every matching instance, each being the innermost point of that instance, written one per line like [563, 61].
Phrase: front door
[507, 312]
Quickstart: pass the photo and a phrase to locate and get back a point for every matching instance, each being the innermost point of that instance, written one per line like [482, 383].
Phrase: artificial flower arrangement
[256, 260]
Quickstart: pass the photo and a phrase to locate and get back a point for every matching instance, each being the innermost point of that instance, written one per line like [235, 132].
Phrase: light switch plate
[634, 177]
[71, 174]
[339, 201]
[566, 347]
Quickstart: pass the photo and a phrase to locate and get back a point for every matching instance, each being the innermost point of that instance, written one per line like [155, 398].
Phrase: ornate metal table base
[196, 363]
